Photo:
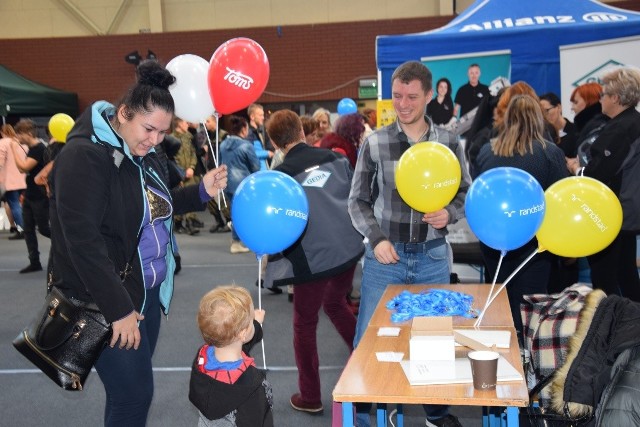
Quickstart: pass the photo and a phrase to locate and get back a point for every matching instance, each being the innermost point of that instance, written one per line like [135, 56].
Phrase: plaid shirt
[376, 208]
[548, 323]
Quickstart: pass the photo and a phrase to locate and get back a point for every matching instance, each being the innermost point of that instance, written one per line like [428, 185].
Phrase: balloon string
[264, 360]
[511, 277]
[493, 284]
[214, 156]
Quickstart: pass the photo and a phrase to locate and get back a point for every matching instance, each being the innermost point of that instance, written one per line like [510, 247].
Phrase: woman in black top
[440, 109]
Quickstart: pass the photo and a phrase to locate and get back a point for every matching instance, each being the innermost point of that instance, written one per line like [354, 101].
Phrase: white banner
[588, 62]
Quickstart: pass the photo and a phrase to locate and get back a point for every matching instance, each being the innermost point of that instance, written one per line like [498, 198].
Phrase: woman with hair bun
[111, 222]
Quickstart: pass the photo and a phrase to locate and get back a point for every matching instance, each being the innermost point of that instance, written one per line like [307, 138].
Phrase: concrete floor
[28, 398]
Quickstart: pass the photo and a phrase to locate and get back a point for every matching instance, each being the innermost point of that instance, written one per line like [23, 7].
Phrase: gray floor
[28, 398]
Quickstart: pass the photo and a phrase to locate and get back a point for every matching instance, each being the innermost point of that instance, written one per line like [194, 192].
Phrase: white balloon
[190, 92]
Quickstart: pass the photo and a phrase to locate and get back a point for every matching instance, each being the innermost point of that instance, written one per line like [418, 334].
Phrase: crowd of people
[146, 172]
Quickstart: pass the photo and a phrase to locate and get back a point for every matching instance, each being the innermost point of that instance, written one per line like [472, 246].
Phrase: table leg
[492, 416]
[512, 416]
[347, 414]
[381, 412]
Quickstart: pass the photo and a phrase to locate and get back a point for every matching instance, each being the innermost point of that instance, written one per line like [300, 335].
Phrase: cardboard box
[432, 339]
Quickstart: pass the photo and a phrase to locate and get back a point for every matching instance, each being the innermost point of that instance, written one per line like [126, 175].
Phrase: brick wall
[303, 59]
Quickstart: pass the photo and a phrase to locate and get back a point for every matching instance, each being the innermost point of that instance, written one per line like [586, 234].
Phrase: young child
[226, 386]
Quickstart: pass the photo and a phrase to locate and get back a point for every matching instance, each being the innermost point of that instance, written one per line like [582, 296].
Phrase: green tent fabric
[20, 96]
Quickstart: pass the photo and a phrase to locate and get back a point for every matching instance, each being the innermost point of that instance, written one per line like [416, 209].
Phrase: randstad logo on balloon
[288, 212]
[527, 211]
[442, 184]
[296, 214]
[597, 221]
[237, 78]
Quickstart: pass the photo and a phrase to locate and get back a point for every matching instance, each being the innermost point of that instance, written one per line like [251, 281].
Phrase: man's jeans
[428, 263]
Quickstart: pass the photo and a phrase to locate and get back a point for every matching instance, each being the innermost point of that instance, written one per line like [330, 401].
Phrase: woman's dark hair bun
[150, 72]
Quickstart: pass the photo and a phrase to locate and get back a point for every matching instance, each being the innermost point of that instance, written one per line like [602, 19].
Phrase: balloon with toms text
[347, 106]
[59, 126]
[269, 211]
[238, 74]
[505, 207]
[428, 176]
[190, 91]
[583, 217]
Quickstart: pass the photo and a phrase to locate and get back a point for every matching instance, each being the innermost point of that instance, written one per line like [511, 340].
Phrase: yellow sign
[386, 113]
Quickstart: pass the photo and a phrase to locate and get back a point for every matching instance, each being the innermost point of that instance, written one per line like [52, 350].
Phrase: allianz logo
[288, 212]
[527, 211]
[596, 17]
[237, 78]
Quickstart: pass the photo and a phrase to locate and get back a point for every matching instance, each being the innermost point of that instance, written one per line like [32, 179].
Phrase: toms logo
[316, 178]
[237, 78]
[603, 17]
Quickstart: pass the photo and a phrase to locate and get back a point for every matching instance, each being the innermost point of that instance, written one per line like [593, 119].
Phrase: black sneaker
[447, 421]
[275, 290]
[223, 229]
[31, 267]
[18, 235]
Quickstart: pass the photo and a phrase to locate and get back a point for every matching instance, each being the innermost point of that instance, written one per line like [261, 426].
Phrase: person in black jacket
[111, 231]
[226, 386]
[614, 269]
[321, 264]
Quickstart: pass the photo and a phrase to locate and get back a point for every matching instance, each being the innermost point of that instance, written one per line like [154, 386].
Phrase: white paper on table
[448, 372]
[389, 356]
[388, 331]
[501, 339]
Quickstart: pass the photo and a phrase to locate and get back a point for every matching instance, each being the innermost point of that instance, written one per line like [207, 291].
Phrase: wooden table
[364, 379]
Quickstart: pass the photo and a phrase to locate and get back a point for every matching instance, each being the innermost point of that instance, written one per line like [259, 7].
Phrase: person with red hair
[584, 96]
[346, 138]
[589, 120]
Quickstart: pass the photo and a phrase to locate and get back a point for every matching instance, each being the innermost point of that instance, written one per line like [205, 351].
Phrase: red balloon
[238, 74]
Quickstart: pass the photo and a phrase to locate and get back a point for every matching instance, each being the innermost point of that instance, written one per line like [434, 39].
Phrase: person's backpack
[629, 194]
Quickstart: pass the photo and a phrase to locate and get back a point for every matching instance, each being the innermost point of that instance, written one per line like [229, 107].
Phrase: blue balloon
[347, 106]
[505, 208]
[269, 211]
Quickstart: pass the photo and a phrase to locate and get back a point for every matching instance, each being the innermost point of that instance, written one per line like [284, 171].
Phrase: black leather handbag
[65, 339]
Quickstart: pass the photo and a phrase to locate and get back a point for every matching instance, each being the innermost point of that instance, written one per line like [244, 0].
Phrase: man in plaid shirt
[404, 246]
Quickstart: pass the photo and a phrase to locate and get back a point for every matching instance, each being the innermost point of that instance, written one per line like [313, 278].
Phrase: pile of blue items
[435, 302]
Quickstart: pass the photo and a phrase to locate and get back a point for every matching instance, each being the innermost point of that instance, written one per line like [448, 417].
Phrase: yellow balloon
[582, 217]
[59, 126]
[428, 176]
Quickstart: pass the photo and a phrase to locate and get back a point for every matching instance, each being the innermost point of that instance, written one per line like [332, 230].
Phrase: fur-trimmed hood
[606, 327]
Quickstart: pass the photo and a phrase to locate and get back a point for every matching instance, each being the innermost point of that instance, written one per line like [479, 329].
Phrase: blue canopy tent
[531, 30]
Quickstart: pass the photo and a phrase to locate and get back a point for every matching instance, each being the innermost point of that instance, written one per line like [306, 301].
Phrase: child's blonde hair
[223, 313]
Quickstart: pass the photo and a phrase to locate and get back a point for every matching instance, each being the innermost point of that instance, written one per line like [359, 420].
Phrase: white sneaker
[238, 248]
